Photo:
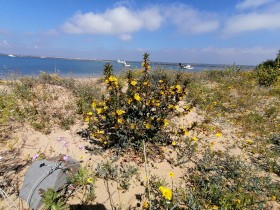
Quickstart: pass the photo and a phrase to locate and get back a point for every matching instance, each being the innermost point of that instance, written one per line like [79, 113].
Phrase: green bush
[141, 112]
[268, 72]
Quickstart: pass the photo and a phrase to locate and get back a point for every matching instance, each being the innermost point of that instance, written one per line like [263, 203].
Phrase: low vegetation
[142, 114]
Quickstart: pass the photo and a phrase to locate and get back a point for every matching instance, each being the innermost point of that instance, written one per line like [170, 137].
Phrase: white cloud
[191, 21]
[252, 4]
[117, 21]
[123, 22]
[252, 21]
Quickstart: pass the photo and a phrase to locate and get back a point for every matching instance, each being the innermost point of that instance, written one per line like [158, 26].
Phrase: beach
[44, 117]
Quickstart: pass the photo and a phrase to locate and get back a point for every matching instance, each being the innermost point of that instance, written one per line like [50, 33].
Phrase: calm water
[79, 68]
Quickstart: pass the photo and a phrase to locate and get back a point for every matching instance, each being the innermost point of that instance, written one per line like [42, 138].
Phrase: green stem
[147, 176]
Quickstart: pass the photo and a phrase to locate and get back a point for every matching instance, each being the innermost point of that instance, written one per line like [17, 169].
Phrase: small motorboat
[11, 55]
[126, 64]
[185, 66]
[120, 61]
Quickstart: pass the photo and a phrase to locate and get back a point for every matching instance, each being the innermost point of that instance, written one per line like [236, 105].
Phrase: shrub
[268, 72]
[141, 112]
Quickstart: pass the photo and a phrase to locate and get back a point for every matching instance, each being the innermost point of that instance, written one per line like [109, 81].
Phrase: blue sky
[191, 31]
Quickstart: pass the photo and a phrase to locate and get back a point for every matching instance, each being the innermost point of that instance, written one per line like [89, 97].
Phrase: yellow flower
[160, 81]
[186, 132]
[105, 142]
[218, 134]
[178, 87]
[273, 198]
[145, 83]
[213, 143]
[161, 92]
[157, 104]
[170, 106]
[166, 192]
[120, 112]
[93, 104]
[106, 81]
[173, 143]
[90, 180]
[133, 82]
[87, 119]
[113, 79]
[129, 101]
[103, 117]
[143, 64]
[132, 126]
[171, 174]
[148, 126]
[145, 205]
[120, 121]
[100, 132]
[99, 110]
[89, 113]
[186, 107]
[81, 157]
[249, 141]
[194, 139]
[137, 97]
[165, 122]
[147, 103]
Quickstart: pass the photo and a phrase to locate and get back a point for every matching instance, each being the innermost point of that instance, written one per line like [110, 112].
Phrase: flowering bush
[141, 112]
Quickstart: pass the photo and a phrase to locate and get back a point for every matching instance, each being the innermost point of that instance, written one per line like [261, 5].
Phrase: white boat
[185, 66]
[11, 55]
[119, 61]
[126, 64]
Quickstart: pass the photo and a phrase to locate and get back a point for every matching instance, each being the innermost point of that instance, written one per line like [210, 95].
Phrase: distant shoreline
[110, 60]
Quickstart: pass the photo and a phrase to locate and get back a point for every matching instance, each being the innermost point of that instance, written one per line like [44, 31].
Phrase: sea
[33, 66]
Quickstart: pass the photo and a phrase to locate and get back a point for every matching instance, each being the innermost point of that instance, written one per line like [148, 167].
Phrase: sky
[242, 32]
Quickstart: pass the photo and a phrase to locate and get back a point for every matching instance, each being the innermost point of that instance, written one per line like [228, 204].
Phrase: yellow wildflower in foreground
[99, 110]
[100, 132]
[120, 112]
[90, 180]
[194, 139]
[86, 119]
[171, 174]
[113, 79]
[170, 106]
[218, 134]
[166, 192]
[249, 141]
[273, 198]
[93, 104]
[133, 82]
[137, 97]
[165, 122]
[148, 126]
[145, 205]
[173, 143]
